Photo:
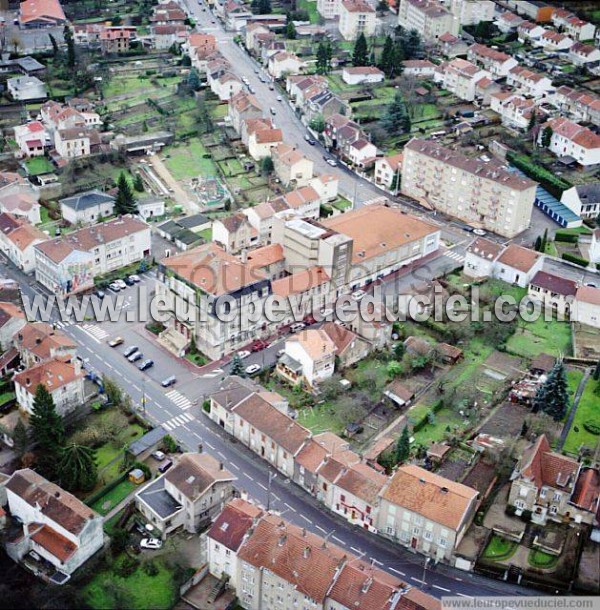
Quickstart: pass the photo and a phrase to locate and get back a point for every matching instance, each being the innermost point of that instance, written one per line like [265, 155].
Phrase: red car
[258, 345]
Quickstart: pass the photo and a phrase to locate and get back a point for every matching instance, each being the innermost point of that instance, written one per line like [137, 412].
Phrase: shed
[542, 364]
[137, 476]
[145, 445]
[437, 452]
[448, 353]
[399, 393]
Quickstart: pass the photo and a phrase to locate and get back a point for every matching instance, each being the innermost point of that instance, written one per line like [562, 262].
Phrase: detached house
[570, 139]
[31, 139]
[588, 306]
[87, 208]
[76, 142]
[314, 351]
[291, 166]
[18, 239]
[543, 482]
[283, 64]
[243, 106]
[37, 342]
[517, 265]
[61, 529]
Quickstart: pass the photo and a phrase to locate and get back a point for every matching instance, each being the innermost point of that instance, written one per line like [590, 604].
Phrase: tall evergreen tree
[396, 118]
[54, 45]
[403, 446]
[532, 120]
[552, 396]
[237, 366]
[20, 439]
[547, 136]
[413, 45]
[47, 430]
[193, 80]
[264, 7]
[290, 31]
[323, 64]
[360, 55]
[138, 183]
[386, 61]
[68, 36]
[125, 202]
[77, 468]
[538, 244]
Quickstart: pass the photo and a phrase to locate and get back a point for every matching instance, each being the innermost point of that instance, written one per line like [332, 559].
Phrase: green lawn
[539, 559]
[186, 161]
[319, 419]
[531, 338]
[342, 204]
[499, 549]
[6, 397]
[206, 235]
[435, 432]
[587, 411]
[310, 8]
[140, 590]
[108, 501]
[38, 165]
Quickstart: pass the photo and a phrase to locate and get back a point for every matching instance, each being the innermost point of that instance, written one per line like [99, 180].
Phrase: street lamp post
[144, 396]
[425, 564]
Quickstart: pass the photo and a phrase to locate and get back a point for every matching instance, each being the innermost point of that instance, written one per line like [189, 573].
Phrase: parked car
[100, 294]
[297, 327]
[169, 381]
[135, 278]
[279, 98]
[244, 353]
[358, 295]
[152, 544]
[479, 232]
[259, 345]
[147, 364]
[165, 466]
[253, 369]
[114, 287]
[159, 456]
[332, 162]
[130, 350]
[272, 111]
[129, 281]
[135, 356]
[116, 341]
[121, 284]
[311, 141]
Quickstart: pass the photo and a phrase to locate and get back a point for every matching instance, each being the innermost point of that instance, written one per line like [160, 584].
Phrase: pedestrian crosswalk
[179, 399]
[60, 325]
[178, 420]
[455, 256]
[96, 332]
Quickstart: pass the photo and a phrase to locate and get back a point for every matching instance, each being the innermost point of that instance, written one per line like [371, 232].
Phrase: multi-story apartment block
[471, 12]
[497, 63]
[57, 526]
[460, 77]
[426, 512]
[429, 17]
[69, 263]
[329, 9]
[357, 17]
[570, 139]
[483, 194]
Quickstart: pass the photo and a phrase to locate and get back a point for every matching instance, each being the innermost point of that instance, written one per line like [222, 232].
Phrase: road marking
[463, 595]
[338, 540]
[210, 446]
[261, 485]
[397, 572]
[247, 476]
[441, 588]
[95, 332]
[137, 388]
[221, 455]
[177, 421]
[422, 582]
[459, 579]
[234, 465]
[375, 561]
[320, 528]
[110, 366]
[179, 399]
[355, 550]
[276, 497]
[290, 507]
[306, 519]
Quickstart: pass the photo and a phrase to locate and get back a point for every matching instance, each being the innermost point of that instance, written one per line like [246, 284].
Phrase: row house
[429, 17]
[242, 107]
[252, 32]
[262, 138]
[269, 48]
[583, 200]
[451, 46]
[226, 86]
[486, 195]
[12, 320]
[63, 380]
[581, 105]
[361, 153]
[340, 132]
[261, 217]
[291, 166]
[530, 83]
[298, 87]
[553, 41]
[268, 260]
[387, 171]
[460, 77]
[284, 63]
[234, 233]
[484, 89]
[578, 29]
[570, 139]
[587, 303]
[556, 294]
[529, 31]
[532, 9]
[581, 54]
[515, 110]
[56, 525]
[32, 139]
[326, 186]
[189, 496]
[69, 263]
[508, 22]
[18, 239]
[356, 17]
[168, 12]
[426, 512]
[199, 48]
[495, 62]
[38, 342]
[322, 103]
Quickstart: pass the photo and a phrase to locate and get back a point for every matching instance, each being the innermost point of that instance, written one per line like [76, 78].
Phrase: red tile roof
[544, 467]
[232, 525]
[48, 11]
[56, 544]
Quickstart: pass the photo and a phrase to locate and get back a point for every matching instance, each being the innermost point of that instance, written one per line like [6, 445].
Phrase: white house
[75, 142]
[18, 239]
[315, 352]
[87, 208]
[570, 139]
[528, 82]
[515, 110]
[26, 88]
[581, 54]
[31, 138]
[362, 74]
[283, 64]
[361, 152]
[64, 381]
[517, 265]
[460, 77]
[497, 63]
[419, 68]
[54, 524]
[579, 29]
[291, 165]
[151, 207]
[583, 199]
[529, 31]
[262, 141]
[326, 186]
[480, 258]
[226, 86]
[587, 306]
[553, 41]
[508, 22]
[555, 293]
[387, 169]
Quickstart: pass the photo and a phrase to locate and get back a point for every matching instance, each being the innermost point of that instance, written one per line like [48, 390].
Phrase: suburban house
[291, 166]
[189, 495]
[583, 199]
[262, 141]
[450, 45]
[426, 512]
[387, 171]
[284, 63]
[12, 320]
[39, 14]
[361, 153]
[495, 62]
[517, 265]
[528, 30]
[580, 105]
[69, 263]
[543, 482]
[508, 22]
[554, 41]
[349, 347]
[243, 106]
[64, 381]
[480, 258]
[32, 139]
[460, 77]
[165, 36]
[18, 239]
[555, 293]
[76, 142]
[314, 351]
[569, 139]
[115, 40]
[515, 110]
[26, 88]
[356, 17]
[579, 29]
[226, 86]
[87, 208]
[200, 47]
[581, 54]
[233, 233]
[326, 186]
[588, 306]
[54, 524]
[19, 197]
[37, 342]
[420, 68]
[362, 74]
[528, 82]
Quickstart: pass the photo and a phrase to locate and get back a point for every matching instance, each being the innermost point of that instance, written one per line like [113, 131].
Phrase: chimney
[200, 447]
[366, 585]
[221, 467]
[306, 552]
[282, 539]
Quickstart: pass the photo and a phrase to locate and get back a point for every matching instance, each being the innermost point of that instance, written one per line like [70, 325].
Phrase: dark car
[258, 345]
[130, 350]
[146, 365]
[165, 466]
[129, 281]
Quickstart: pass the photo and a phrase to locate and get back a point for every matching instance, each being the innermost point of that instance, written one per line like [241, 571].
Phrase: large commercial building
[483, 194]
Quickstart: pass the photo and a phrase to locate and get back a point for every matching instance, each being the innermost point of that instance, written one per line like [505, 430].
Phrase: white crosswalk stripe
[179, 399]
[61, 325]
[97, 333]
[178, 420]
[455, 256]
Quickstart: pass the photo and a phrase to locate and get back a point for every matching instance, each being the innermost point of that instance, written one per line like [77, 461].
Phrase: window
[557, 496]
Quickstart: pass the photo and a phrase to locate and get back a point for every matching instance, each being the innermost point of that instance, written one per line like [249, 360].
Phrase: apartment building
[460, 77]
[356, 17]
[64, 381]
[57, 526]
[486, 195]
[207, 290]
[570, 139]
[18, 239]
[329, 9]
[471, 12]
[495, 62]
[69, 263]
[429, 17]
[426, 512]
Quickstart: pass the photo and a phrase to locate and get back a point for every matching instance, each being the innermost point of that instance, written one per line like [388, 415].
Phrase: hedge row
[570, 238]
[438, 406]
[553, 184]
[573, 258]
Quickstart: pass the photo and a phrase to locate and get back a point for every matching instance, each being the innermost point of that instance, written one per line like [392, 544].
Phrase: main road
[179, 410]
